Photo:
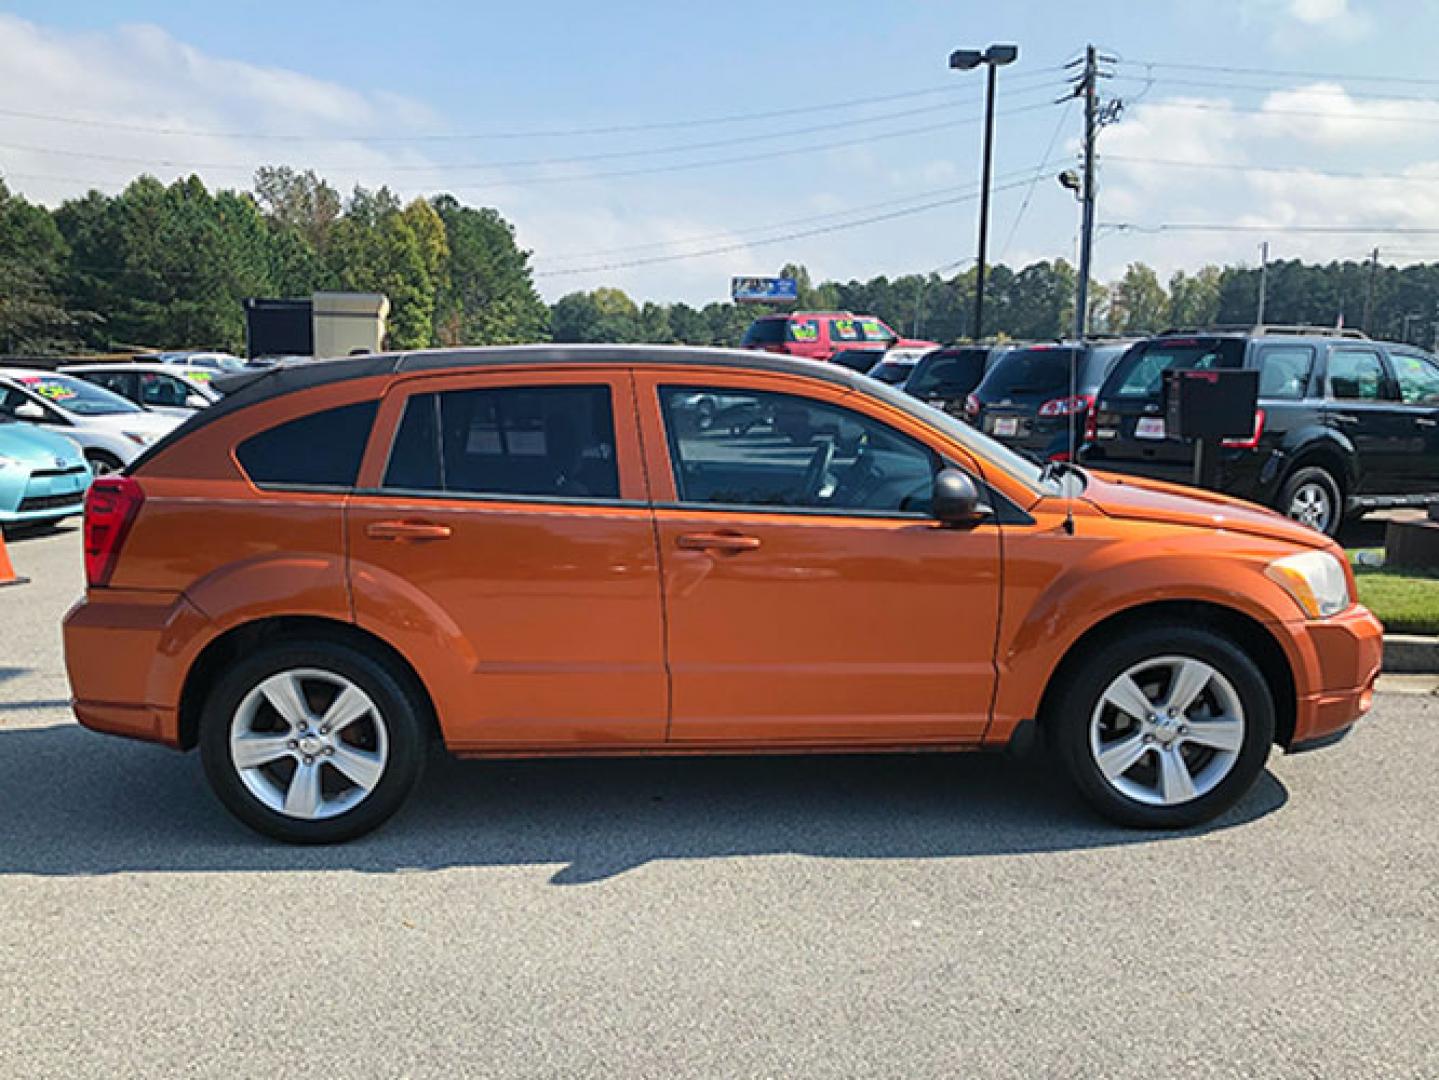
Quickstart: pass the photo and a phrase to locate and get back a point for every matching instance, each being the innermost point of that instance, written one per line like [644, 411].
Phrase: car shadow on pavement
[74, 803]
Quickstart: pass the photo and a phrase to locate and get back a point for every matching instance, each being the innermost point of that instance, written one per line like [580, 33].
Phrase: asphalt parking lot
[852, 916]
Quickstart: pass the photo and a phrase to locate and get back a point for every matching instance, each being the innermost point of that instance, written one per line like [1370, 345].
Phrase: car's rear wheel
[312, 742]
[1164, 727]
[1311, 496]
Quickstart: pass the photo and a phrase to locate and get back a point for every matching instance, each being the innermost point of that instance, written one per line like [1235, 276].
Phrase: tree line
[168, 266]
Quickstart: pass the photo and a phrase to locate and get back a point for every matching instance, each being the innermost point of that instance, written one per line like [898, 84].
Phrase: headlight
[144, 438]
[1316, 580]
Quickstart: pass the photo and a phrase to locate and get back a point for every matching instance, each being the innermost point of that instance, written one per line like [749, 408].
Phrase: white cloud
[1223, 164]
[1319, 11]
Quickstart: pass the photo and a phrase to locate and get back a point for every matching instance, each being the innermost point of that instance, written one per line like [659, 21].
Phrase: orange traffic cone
[7, 570]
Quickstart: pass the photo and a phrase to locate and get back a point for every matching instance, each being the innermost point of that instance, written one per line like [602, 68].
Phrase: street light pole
[995, 57]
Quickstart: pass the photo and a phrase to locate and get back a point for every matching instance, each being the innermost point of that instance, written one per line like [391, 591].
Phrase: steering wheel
[818, 468]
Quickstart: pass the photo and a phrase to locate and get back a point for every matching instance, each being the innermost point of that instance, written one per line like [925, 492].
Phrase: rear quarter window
[321, 450]
[1141, 373]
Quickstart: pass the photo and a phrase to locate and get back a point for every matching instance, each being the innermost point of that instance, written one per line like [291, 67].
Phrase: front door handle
[406, 530]
[728, 542]
[1345, 418]
[1424, 421]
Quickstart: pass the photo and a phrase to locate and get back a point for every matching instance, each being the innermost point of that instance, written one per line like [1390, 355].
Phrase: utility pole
[1088, 88]
[1369, 291]
[1263, 281]
[1096, 116]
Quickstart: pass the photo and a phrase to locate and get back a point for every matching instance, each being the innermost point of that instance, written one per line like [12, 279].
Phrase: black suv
[945, 377]
[1344, 424]
[1026, 400]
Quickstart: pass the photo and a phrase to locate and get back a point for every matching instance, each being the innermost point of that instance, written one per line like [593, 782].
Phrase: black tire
[1309, 480]
[101, 462]
[1074, 699]
[398, 710]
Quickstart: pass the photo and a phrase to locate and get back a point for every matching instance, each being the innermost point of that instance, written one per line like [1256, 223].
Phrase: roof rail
[1270, 330]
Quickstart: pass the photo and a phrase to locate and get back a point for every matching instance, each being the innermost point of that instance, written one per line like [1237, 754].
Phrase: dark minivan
[1344, 424]
[946, 377]
[1027, 399]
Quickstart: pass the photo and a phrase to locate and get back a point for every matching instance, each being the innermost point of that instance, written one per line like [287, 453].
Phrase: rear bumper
[1336, 663]
[126, 653]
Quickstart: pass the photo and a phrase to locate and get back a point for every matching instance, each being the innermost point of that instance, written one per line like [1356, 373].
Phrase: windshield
[1141, 374]
[982, 446]
[1041, 370]
[75, 395]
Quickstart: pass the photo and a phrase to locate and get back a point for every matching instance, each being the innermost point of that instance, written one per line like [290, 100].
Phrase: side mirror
[28, 410]
[955, 502]
[195, 401]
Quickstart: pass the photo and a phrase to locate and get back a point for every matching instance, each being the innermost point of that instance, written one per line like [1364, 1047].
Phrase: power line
[1281, 72]
[683, 166]
[1290, 91]
[1039, 171]
[550, 133]
[772, 226]
[1348, 230]
[743, 245]
[578, 159]
[1293, 170]
[1381, 118]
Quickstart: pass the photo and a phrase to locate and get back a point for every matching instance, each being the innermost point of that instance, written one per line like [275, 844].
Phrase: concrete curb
[1411, 654]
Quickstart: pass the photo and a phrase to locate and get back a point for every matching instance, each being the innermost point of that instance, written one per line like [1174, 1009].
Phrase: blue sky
[170, 87]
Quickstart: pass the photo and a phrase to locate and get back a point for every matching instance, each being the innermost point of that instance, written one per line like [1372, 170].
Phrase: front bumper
[42, 495]
[1336, 662]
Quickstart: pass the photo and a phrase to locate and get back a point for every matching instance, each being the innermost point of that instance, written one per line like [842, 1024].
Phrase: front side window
[163, 390]
[1356, 375]
[782, 451]
[1284, 371]
[874, 330]
[1418, 379]
[544, 442]
[321, 450]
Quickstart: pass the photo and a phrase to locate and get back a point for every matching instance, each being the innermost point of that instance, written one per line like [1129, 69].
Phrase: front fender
[1111, 578]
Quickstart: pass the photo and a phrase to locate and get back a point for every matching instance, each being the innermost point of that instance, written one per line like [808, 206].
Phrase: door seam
[659, 558]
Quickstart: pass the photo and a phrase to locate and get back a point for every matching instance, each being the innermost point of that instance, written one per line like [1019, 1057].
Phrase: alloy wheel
[1311, 505]
[309, 744]
[1167, 730]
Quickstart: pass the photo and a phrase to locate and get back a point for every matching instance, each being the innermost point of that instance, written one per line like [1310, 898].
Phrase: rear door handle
[1345, 418]
[1424, 421]
[406, 530]
[730, 542]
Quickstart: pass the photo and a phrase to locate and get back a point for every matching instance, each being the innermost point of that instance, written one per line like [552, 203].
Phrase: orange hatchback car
[639, 550]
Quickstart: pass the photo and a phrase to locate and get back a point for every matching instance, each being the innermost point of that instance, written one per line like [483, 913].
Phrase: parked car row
[1344, 425]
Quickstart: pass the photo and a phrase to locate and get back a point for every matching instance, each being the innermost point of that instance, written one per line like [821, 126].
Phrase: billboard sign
[764, 290]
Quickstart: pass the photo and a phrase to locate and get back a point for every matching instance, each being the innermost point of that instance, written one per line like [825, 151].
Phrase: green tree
[299, 201]
[1194, 298]
[33, 315]
[486, 291]
[1138, 303]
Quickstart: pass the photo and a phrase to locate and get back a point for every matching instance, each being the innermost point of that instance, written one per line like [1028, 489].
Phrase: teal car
[43, 476]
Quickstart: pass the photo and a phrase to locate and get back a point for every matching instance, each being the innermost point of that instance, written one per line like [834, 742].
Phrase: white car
[219, 363]
[161, 388]
[111, 431]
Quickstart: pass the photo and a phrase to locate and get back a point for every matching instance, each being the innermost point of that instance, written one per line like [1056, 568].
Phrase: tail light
[1060, 455]
[1091, 423]
[110, 508]
[1067, 406]
[971, 406]
[1253, 441]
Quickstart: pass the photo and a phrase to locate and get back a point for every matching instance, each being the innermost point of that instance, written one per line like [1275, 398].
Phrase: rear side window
[1284, 371]
[1141, 373]
[1356, 375]
[1029, 371]
[945, 372]
[845, 329]
[320, 450]
[544, 442]
[1099, 362]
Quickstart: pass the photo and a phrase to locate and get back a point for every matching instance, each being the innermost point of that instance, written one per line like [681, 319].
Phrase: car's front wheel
[1165, 726]
[312, 742]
